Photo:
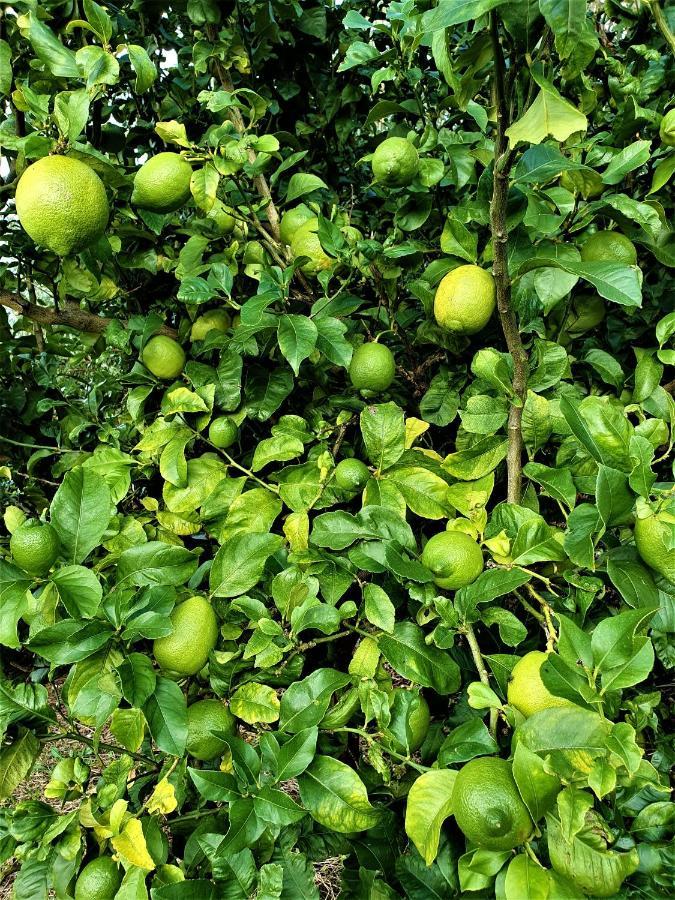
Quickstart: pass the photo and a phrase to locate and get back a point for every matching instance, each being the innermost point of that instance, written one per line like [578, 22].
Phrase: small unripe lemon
[351, 474]
[163, 356]
[292, 220]
[465, 300]
[35, 546]
[214, 319]
[609, 246]
[454, 559]
[395, 162]
[162, 184]
[223, 432]
[372, 367]
[667, 129]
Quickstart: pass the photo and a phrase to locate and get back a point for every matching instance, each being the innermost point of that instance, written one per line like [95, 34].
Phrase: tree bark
[503, 160]
[70, 315]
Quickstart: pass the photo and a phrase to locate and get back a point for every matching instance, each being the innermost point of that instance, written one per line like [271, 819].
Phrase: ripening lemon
[526, 691]
[163, 356]
[609, 246]
[61, 203]
[351, 474]
[667, 129]
[99, 880]
[487, 805]
[195, 631]
[223, 432]
[465, 300]
[454, 559]
[372, 367]
[162, 184]
[395, 162]
[34, 547]
[292, 220]
[204, 718]
[305, 242]
[214, 319]
[655, 541]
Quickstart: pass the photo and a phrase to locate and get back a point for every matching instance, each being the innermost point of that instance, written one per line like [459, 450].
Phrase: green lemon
[465, 300]
[292, 220]
[162, 184]
[351, 475]
[35, 546]
[163, 356]
[254, 253]
[454, 558]
[214, 319]
[655, 541]
[372, 367]
[409, 723]
[305, 242]
[667, 129]
[487, 805]
[194, 635]
[395, 162]
[222, 218]
[99, 880]
[204, 718]
[526, 691]
[61, 203]
[586, 182]
[609, 246]
[223, 432]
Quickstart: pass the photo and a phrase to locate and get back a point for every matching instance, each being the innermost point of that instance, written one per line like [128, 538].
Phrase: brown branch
[71, 316]
[235, 116]
[500, 270]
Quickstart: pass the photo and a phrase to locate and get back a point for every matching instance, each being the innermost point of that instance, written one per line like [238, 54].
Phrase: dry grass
[327, 877]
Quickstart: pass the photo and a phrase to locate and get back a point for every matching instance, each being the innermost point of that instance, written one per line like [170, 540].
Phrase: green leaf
[166, 714]
[146, 72]
[628, 159]
[98, 19]
[331, 342]
[297, 338]
[296, 754]
[613, 640]
[383, 431]
[428, 805]
[80, 512]
[480, 459]
[59, 59]
[466, 741]
[156, 563]
[407, 652]
[240, 562]
[550, 115]
[337, 530]
[455, 12]
[537, 787]
[16, 761]
[557, 483]
[303, 183]
[489, 585]
[526, 880]
[70, 641]
[305, 702]
[378, 607]
[254, 703]
[5, 68]
[203, 186]
[14, 584]
[79, 589]
[632, 579]
[335, 796]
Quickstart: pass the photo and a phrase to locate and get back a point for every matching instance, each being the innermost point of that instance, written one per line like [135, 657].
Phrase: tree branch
[503, 160]
[482, 671]
[70, 315]
[259, 182]
[662, 24]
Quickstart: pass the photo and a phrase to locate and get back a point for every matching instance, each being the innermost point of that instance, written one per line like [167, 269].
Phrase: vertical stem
[662, 24]
[500, 270]
[482, 671]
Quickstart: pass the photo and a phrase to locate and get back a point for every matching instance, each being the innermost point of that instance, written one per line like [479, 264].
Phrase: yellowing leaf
[429, 805]
[549, 116]
[163, 799]
[131, 848]
[414, 428]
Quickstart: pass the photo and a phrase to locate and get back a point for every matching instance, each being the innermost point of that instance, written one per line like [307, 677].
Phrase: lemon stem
[551, 635]
[370, 739]
[482, 671]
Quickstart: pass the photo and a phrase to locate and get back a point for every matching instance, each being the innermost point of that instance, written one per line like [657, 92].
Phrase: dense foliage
[358, 686]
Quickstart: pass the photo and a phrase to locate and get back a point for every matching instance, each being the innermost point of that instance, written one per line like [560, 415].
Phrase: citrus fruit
[61, 203]
[305, 242]
[162, 184]
[372, 367]
[292, 220]
[609, 246]
[465, 300]
[254, 254]
[351, 475]
[35, 546]
[395, 162]
[223, 432]
[222, 218]
[409, 721]
[163, 356]
[214, 319]
[585, 312]
[667, 129]
[454, 559]
[526, 691]
[586, 182]
[194, 635]
[655, 541]
[204, 717]
[99, 880]
[487, 805]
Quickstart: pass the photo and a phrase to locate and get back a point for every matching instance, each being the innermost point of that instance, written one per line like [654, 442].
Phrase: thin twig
[482, 671]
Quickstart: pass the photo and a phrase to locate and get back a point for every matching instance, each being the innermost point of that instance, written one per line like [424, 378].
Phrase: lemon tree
[336, 459]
